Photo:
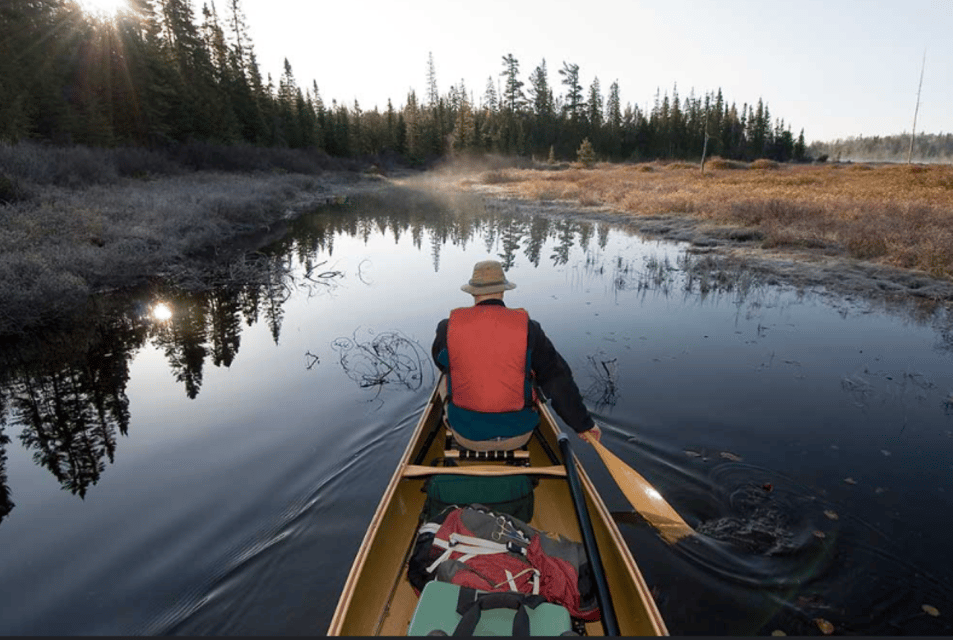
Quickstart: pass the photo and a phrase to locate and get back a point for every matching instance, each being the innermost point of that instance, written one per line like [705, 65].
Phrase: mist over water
[208, 462]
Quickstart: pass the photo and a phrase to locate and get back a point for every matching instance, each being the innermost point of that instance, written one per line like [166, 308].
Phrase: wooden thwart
[417, 470]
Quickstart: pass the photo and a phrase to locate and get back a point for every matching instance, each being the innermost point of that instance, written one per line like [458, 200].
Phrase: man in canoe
[492, 355]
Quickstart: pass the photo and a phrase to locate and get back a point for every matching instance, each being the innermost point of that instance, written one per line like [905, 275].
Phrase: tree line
[162, 73]
[928, 147]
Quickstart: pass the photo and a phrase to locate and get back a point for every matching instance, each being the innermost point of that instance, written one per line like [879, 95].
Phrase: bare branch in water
[311, 360]
[603, 390]
[360, 275]
[386, 358]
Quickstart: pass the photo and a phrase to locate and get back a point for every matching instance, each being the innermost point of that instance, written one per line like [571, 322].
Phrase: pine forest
[164, 73]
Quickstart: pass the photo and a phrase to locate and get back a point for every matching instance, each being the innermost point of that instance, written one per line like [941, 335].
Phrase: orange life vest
[486, 347]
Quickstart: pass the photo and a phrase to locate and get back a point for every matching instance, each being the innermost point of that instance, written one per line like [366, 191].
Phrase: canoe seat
[454, 450]
[444, 608]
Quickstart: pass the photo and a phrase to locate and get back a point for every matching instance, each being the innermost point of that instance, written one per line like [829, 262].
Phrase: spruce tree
[594, 110]
[573, 102]
[513, 98]
[586, 154]
[614, 122]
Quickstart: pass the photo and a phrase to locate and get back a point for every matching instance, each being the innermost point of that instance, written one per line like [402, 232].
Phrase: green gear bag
[512, 495]
[447, 609]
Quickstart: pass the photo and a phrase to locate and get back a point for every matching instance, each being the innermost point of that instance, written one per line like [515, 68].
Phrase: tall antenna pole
[915, 111]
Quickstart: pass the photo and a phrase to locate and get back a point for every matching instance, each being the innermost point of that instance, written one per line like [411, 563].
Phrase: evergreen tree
[490, 97]
[613, 143]
[544, 127]
[513, 98]
[412, 138]
[586, 154]
[573, 102]
[464, 133]
[800, 148]
[594, 110]
[433, 95]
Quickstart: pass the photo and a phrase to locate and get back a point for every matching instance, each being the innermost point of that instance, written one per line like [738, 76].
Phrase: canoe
[377, 598]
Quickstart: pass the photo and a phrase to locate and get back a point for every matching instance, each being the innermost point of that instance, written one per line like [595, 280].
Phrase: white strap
[444, 556]
[498, 547]
[509, 579]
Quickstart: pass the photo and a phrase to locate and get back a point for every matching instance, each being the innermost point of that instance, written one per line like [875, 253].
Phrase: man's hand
[593, 434]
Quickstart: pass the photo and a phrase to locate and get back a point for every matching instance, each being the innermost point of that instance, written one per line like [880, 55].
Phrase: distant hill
[928, 147]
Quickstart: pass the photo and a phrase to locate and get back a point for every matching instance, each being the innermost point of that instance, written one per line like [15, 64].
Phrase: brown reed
[901, 215]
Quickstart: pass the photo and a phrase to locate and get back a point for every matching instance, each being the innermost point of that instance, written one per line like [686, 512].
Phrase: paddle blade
[644, 498]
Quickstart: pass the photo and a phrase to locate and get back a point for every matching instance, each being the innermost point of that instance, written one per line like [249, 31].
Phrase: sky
[835, 68]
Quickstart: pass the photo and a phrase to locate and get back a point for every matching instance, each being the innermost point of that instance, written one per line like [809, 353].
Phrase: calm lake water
[214, 472]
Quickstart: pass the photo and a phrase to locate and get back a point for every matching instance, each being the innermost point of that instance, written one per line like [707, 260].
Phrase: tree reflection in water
[6, 502]
[68, 391]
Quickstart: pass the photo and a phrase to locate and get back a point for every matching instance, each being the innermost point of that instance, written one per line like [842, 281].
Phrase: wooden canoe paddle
[648, 502]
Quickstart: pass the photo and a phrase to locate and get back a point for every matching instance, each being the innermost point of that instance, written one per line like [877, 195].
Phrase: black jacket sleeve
[440, 343]
[555, 379]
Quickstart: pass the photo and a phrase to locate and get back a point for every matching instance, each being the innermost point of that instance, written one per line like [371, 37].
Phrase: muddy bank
[65, 246]
[817, 267]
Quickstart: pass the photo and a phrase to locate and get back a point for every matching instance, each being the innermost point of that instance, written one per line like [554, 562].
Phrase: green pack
[447, 609]
[512, 495]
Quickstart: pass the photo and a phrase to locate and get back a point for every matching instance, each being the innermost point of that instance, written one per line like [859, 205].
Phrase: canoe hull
[377, 599]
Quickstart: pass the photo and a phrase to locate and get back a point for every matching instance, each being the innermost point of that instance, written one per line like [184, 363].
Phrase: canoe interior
[377, 598]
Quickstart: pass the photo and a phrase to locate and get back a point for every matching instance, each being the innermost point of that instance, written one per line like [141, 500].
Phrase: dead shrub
[589, 199]
[765, 164]
[865, 244]
[494, 177]
[12, 191]
[753, 212]
[778, 236]
[136, 162]
[570, 192]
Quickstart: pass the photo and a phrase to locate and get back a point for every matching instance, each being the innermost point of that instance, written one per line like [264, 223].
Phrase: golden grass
[894, 214]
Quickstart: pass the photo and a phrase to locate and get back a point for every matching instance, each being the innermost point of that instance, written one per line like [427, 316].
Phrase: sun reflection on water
[162, 312]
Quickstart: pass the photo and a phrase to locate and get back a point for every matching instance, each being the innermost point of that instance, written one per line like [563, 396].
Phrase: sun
[105, 8]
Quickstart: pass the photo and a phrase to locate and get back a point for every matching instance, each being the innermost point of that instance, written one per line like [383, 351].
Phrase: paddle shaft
[609, 622]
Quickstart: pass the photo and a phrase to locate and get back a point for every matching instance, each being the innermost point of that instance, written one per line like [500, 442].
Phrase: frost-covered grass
[58, 247]
[76, 220]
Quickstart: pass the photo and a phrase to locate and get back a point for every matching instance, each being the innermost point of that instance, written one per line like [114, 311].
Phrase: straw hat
[487, 278]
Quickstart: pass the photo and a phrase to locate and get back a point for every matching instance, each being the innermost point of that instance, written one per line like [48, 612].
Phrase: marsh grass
[901, 215]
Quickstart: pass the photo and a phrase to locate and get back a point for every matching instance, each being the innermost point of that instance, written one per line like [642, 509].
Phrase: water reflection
[6, 503]
[66, 393]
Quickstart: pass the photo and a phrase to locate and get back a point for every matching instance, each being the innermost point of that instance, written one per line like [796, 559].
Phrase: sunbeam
[105, 8]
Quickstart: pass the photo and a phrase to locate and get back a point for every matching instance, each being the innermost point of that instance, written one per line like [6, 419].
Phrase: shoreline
[820, 266]
[67, 246]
